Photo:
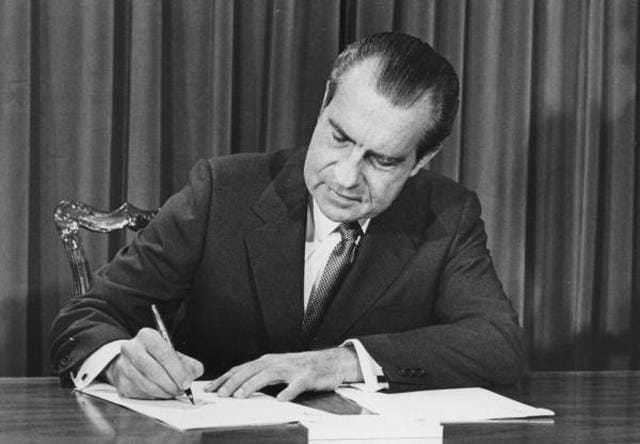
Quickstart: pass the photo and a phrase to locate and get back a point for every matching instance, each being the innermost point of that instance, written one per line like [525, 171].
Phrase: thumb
[194, 366]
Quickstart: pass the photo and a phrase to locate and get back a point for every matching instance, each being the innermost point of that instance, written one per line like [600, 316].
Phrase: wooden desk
[593, 407]
[590, 407]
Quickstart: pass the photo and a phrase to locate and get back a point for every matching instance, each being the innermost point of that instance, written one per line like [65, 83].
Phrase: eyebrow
[339, 129]
[391, 159]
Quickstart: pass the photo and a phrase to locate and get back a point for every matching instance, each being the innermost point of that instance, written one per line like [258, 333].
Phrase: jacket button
[420, 372]
[402, 372]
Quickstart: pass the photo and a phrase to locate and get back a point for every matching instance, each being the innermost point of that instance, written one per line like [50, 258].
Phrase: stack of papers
[401, 417]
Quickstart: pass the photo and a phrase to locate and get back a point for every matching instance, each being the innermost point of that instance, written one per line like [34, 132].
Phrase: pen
[165, 335]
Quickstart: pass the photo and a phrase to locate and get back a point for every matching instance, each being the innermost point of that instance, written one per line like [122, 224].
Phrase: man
[341, 263]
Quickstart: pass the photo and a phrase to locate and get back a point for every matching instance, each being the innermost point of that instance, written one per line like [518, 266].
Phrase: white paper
[443, 406]
[372, 429]
[210, 410]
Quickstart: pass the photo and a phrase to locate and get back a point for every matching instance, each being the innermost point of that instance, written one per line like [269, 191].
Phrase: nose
[347, 170]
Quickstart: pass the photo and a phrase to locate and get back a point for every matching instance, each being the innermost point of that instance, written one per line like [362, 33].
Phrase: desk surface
[590, 407]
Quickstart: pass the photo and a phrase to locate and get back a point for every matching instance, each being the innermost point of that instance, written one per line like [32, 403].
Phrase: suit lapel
[390, 242]
[276, 254]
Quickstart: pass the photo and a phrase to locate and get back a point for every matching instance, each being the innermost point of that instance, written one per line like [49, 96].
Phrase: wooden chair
[70, 216]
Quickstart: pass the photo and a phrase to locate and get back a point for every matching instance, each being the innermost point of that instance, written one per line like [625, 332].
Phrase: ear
[424, 161]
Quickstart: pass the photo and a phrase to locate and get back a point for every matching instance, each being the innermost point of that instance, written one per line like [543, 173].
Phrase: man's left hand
[306, 371]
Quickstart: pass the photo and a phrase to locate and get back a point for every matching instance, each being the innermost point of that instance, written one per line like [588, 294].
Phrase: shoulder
[445, 200]
[440, 191]
[235, 170]
[238, 181]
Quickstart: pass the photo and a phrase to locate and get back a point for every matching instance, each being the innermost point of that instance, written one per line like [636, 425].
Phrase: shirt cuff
[370, 369]
[96, 363]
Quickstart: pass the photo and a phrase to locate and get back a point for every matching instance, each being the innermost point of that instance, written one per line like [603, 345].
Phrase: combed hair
[408, 70]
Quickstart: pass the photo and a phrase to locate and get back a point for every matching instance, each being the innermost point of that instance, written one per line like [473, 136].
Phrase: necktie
[333, 273]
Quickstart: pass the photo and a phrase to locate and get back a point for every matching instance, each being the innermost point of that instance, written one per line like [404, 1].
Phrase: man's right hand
[148, 367]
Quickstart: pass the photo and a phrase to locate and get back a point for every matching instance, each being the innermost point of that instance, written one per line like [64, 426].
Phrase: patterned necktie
[333, 273]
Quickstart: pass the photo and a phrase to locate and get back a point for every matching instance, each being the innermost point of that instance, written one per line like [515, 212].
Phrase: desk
[591, 407]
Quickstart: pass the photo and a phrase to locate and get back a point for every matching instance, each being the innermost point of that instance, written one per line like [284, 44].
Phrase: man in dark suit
[344, 262]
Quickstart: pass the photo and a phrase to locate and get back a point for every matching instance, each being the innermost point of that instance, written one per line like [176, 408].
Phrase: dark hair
[408, 70]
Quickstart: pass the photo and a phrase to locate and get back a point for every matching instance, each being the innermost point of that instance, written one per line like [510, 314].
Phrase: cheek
[383, 191]
[321, 161]
[316, 167]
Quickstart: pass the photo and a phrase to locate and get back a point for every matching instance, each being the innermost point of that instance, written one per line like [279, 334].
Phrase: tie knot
[349, 231]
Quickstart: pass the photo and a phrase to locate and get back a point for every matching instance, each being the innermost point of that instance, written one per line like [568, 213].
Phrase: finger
[136, 352]
[212, 386]
[239, 377]
[216, 383]
[162, 352]
[194, 366]
[261, 379]
[139, 386]
[291, 392]
[133, 384]
[220, 380]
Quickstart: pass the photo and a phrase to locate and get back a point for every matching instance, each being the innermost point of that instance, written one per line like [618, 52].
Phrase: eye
[383, 162]
[338, 137]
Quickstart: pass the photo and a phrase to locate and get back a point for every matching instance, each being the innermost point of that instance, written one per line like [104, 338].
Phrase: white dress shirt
[321, 238]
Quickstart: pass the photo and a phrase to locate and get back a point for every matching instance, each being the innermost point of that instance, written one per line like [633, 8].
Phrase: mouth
[343, 197]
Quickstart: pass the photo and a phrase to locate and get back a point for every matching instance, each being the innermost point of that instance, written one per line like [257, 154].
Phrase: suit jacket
[422, 294]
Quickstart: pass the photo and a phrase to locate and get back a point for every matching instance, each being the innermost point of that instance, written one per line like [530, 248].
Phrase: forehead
[370, 119]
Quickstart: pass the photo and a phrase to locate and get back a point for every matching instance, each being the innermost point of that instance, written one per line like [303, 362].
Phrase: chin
[341, 216]
[337, 216]
[340, 213]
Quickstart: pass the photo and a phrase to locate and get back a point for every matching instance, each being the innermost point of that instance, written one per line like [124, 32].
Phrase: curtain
[114, 100]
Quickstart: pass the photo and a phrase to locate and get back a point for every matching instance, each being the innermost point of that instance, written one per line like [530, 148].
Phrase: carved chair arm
[70, 216]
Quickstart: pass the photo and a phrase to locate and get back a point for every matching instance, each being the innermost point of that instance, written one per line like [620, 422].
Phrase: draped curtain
[114, 100]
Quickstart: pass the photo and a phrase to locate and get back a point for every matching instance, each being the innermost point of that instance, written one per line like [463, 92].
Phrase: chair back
[70, 216]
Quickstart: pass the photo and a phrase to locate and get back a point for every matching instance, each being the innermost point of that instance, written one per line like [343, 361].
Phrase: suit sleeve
[156, 267]
[476, 340]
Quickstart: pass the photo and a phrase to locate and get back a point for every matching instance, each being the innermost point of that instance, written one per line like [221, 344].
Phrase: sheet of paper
[450, 405]
[371, 428]
[210, 410]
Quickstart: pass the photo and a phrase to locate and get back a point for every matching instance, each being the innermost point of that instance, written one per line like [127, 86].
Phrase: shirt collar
[319, 226]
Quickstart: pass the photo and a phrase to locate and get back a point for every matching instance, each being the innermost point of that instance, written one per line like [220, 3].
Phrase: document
[444, 406]
[211, 411]
[352, 429]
